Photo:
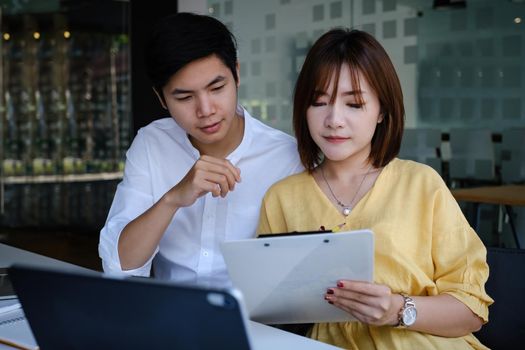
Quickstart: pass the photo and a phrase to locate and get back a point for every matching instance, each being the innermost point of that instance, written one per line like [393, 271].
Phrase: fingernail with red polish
[330, 302]
[329, 291]
[340, 284]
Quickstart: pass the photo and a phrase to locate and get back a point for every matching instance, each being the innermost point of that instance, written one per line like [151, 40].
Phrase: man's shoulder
[263, 131]
[159, 124]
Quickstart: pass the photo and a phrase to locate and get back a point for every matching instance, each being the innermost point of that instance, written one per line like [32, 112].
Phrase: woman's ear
[161, 99]
[380, 118]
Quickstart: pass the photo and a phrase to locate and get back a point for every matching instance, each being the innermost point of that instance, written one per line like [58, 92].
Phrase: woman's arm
[375, 304]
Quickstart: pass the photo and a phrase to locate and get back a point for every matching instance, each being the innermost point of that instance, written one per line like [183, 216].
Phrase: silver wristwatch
[408, 313]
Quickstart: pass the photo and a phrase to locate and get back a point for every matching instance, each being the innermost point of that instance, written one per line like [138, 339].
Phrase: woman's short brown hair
[363, 54]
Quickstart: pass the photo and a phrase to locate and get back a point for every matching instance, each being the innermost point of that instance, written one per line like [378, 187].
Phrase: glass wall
[459, 67]
[65, 118]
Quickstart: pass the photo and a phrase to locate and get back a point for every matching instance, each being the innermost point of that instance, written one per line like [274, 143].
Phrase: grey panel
[243, 69]
[484, 18]
[271, 89]
[447, 108]
[256, 68]
[228, 7]
[426, 75]
[433, 50]
[427, 109]
[488, 108]
[488, 80]
[389, 5]
[284, 2]
[270, 44]
[465, 48]
[448, 76]
[458, 21]
[269, 21]
[256, 111]
[271, 112]
[216, 9]
[318, 13]
[243, 91]
[370, 28]
[410, 54]
[511, 108]
[467, 107]
[369, 7]
[286, 89]
[411, 26]
[511, 77]
[336, 9]
[389, 29]
[511, 45]
[256, 46]
[485, 47]
[446, 50]
[467, 77]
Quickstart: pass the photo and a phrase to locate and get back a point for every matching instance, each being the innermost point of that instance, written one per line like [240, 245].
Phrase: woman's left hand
[370, 303]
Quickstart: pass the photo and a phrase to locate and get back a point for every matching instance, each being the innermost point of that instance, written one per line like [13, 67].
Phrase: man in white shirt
[198, 178]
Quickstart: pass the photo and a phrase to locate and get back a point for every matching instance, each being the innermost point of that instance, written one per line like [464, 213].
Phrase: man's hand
[208, 174]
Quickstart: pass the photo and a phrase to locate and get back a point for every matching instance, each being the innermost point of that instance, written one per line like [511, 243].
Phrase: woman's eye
[318, 104]
[355, 105]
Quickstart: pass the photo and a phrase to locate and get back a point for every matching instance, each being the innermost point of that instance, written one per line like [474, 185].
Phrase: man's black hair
[181, 38]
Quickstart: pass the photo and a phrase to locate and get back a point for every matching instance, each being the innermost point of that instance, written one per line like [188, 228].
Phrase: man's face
[202, 98]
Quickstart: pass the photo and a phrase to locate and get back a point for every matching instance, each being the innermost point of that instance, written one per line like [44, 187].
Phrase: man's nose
[205, 106]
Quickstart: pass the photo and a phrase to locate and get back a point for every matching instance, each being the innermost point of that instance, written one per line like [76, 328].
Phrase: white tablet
[284, 278]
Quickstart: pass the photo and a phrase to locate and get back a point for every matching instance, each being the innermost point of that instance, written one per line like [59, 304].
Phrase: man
[196, 179]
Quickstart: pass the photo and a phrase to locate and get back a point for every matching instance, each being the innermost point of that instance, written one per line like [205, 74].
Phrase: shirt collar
[238, 152]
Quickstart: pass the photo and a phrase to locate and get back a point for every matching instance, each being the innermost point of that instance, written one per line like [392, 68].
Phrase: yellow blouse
[423, 246]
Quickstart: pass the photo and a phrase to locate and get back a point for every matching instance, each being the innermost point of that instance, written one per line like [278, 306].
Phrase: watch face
[409, 316]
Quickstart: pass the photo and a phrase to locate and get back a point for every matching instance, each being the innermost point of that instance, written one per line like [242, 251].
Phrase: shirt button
[205, 253]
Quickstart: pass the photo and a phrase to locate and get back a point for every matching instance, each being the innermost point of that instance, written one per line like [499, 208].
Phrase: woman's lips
[336, 139]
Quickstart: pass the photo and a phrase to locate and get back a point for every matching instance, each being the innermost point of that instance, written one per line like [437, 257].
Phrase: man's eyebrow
[217, 79]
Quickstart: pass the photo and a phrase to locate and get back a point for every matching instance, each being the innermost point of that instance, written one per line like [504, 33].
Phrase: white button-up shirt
[159, 157]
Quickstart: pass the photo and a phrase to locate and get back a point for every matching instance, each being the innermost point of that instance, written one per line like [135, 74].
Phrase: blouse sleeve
[459, 256]
[271, 217]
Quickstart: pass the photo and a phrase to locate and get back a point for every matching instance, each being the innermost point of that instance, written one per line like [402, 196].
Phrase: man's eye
[183, 98]
[217, 88]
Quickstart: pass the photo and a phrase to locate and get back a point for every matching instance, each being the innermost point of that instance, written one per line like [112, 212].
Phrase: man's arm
[140, 238]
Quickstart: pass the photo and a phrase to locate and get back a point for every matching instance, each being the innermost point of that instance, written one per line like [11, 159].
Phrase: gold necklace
[345, 209]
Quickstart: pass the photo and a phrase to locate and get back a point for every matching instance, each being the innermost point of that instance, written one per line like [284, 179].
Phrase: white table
[264, 337]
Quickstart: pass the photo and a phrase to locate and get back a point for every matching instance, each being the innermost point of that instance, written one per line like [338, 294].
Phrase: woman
[430, 266]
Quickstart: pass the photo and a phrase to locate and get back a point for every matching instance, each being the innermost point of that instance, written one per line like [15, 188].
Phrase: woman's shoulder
[291, 183]
[414, 174]
[413, 169]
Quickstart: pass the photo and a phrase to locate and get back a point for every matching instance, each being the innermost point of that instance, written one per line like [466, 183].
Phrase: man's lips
[211, 128]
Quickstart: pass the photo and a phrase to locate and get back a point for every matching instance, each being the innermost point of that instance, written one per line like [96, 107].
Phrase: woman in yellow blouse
[430, 266]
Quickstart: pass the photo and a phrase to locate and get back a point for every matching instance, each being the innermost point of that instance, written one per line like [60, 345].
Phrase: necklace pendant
[346, 211]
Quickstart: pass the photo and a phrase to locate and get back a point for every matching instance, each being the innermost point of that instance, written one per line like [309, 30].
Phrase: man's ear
[161, 99]
[238, 69]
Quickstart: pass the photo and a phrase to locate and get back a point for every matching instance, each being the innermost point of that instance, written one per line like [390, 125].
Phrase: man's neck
[228, 144]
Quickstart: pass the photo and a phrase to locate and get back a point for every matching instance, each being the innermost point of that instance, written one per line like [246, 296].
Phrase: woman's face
[344, 129]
